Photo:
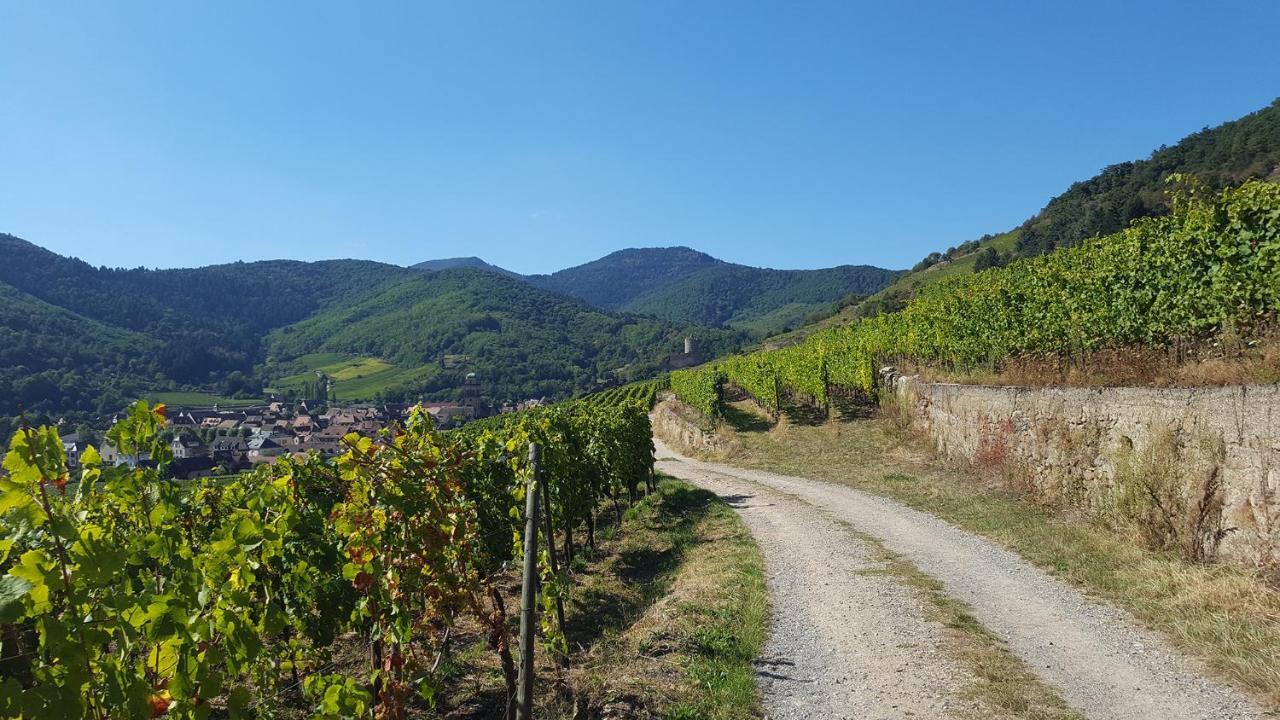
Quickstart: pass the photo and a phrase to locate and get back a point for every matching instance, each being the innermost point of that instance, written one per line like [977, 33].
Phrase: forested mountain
[620, 277]
[53, 360]
[461, 262]
[79, 340]
[759, 300]
[684, 285]
[207, 321]
[522, 340]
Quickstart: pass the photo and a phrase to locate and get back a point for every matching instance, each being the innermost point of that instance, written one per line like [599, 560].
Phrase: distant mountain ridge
[622, 276]
[462, 262]
[684, 285]
[78, 340]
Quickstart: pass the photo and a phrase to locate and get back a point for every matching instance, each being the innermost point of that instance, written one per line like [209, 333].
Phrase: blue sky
[543, 135]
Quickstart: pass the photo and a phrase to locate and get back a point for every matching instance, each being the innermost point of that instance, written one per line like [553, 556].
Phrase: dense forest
[53, 360]
[207, 321]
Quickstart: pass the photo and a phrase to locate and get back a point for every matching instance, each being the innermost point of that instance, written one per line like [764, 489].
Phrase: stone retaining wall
[1103, 449]
[671, 422]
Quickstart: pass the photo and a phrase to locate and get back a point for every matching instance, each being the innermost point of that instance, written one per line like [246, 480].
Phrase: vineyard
[125, 595]
[642, 392]
[1208, 270]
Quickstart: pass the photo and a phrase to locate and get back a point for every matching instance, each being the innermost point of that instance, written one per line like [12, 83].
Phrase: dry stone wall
[672, 421]
[1198, 465]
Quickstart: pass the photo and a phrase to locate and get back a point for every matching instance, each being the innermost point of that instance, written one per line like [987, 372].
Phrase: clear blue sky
[542, 135]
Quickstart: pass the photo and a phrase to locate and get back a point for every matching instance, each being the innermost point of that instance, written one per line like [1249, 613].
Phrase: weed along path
[866, 623]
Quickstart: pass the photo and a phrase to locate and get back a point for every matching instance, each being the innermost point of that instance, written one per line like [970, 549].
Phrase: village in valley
[209, 441]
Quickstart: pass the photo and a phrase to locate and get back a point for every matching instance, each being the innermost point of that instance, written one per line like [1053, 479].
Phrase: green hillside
[755, 299]
[432, 329]
[461, 262]
[208, 321]
[353, 378]
[1200, 278]
[55, 362]
[1226, 155]
[1222, 156]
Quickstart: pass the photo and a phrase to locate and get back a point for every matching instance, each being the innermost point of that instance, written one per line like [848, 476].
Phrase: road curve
[888, 662]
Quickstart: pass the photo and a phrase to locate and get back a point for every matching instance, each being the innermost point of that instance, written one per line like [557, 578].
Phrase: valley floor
[882, 611]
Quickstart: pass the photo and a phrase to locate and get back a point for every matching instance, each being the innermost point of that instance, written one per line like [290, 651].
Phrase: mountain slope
[1218, 157]
[1225, 155]
[521, 340]
[207, 320]
[54, 361]
[620, 277]
[758, 299]
[684, 285]
[461, 262]
[80, 340]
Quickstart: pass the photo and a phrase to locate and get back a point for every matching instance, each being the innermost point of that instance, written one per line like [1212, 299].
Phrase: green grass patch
[200, 399]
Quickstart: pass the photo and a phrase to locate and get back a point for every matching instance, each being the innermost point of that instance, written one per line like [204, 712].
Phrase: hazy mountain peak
[461, 262]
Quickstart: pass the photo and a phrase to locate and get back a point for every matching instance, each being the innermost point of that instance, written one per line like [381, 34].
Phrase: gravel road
[846, 644]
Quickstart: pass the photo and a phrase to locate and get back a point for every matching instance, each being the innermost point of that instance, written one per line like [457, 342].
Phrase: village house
[264, 450]
[188, 446]
[74, 448]
[113, 457]
[229, 451]
[449, 415]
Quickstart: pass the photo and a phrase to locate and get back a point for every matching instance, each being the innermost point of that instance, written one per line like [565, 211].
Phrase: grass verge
[689, 652]
[1225, 616]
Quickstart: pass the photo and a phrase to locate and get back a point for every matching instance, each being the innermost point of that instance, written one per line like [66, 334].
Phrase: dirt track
[846, 643]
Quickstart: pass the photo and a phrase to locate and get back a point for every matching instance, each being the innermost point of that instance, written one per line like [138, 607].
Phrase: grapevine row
[126, 595]
[643, 392]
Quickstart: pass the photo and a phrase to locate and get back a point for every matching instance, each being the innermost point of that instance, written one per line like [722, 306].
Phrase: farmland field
[354, 378]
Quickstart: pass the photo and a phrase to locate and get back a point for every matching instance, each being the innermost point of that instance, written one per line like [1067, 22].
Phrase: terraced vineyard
[1211, 268]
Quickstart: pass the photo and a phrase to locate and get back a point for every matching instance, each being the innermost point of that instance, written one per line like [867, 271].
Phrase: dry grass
[1227, 617]
[1223, 361]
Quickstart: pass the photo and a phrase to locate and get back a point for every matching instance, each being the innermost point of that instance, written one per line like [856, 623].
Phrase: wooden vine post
[529, 588]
